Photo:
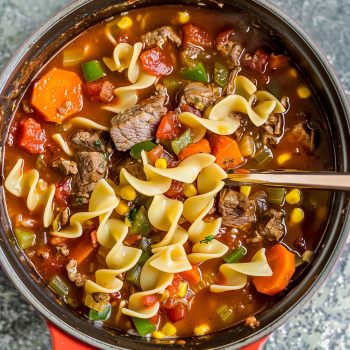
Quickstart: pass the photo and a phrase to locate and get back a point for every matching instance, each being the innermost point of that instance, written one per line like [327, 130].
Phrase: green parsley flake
[105, 156]
[102, 165]
[97, 143]
[207, 239]
[80, 201]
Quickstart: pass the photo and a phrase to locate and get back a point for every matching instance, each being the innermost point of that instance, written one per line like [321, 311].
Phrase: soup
[115, 165]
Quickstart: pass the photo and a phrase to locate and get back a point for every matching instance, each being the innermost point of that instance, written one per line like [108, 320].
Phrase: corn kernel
[124, 23]
[169, 329]
[158, 335]
[161, 163]
[200, 330]
[245, 190]
[128, 193]
[127, 222]
[293, 73]
[184, 17]
[303, 91]
[182, 289]
[165, 296]
[122, 207]
[297, 216]
[283, 158]
[190, 190]
[293, 197]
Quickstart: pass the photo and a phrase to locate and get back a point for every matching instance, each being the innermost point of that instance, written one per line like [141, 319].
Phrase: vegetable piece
[172, 84]
[40, 162]
[196, 36]
[63, 190]
[99, 306]
[125, 22]
[174, 287]
[226, 151]
[132, 276]
[263, 156]
[128, 193]
[93, 70]
[257, 62]
[303, 92]
[293, 196]
[143, 326]
[200, 330]
[245, 190]
[161, 163]
[158, 335]
[25, 238]
[178, 313]
[140, 199]
[71, 58]
[201, 146]
[184, 17]
[143, 259]
[247, 146]
[207, 239]
[276, 61]
[223, 37]
[235, 254]
[93, 236]
[82, 250]
[58, 286]
[176, 189]
[225, 313]
[100, 92]
[182, 289]
[181, 141]
[32, 137]
[192, 276]
[140, 224]
[220, 75]
[190, 190]
[135, 151]
[275, 195]
[297, 216]
[170, 128]
[282, 264]
[100, 316]
[56, 225]
[308, 255]
[156, 63]
[57, 95]
[284, 158]
[122, 207]
[149, 300]
[169, 329]
[197, 73]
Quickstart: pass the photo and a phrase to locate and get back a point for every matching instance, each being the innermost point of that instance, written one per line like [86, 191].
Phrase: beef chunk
[251, 321]
[134, 167]
[260, 201]
[230, 88]
[273, 128]
[243, 121]
[197, 95]
[98, 296]
[73, 274]
[159, 36]
[236, 208]
[229, 47]
[92, 167]
[303, 134]
[140, 122]
[65, 165]
[90, 141]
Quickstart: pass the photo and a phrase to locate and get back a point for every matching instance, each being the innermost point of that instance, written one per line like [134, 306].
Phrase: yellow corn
[297, 216]
[283, 158]
[245, 190]
[128, 193]
[122, 207]
[161, 163]
[200, 330]
[293, 197]
[127, 222]
[190, 190]
[125, 22]
[169, 329]
[165, 296]
[158, 335]
[184, 17]
[182, 289]
[293, 73]
[303, 91]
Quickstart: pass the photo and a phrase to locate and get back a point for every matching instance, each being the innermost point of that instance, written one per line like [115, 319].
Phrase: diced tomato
[276, 61]
[170, 128]
[174, 287]
[115, 296]
[222, 38]
[196, 36]
[176, 189]
[193, 110]
[159, 152]
[257, 62]
[178, 313]
[99, 92]
[54, 265]
[149, 300]
[63, 190]
[32, 137]
[154, 319]
[122, 37]
[156, 63]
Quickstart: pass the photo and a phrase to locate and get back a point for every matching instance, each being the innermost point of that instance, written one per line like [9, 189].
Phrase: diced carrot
[170, 128]
[149, 300]
[201, 146]
[57, 95]
[192, 276]
[174, 287]
[32, 137]
[82, 250]
[159, 152]
[156, 63]
[93, 236]
[282, 263]
[226, 151]
[276, 61]
[58, 240]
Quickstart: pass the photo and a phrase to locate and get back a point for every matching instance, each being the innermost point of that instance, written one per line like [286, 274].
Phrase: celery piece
[100, 316]
[220, 75]
[197, 73]
[132, 276]
[247, 146]
[181, 141]
[93, 70]
[143, 258]
[73, 303]
[225, 313]
[235, 255]
[275, 195]
[140, 224]
[135, 151]
[263, 156]
[143, 325]
[25, 238]
[71, 58]
[58, 286]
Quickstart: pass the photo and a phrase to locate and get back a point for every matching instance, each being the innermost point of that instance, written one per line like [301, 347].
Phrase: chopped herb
[207, 239]
[102, 165]
[105, 156]
[80, 201]
[97, 143]
[132, 214]
[228, 160]
[196, 99]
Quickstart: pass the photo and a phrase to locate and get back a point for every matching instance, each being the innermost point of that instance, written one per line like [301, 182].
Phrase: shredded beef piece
[65, 165]
[61, 249]
[92, 167]
[159, 36]
[90, 141]
[98, 296]
[230, 88]
[243, 121]
[197, 95]
[140, 122]
[252, 322]
[73, 274]
[228, 47]
[65, 217]
[44, 253]
[134, 167]
[26, 107]
[273, 128]
[236, 208]
[260, 200]
[303, 134]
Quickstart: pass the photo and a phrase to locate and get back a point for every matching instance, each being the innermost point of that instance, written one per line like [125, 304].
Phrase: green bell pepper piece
[143, 325]
[141, 225]
[143, 258]
[145, 245]
[220, 74]
[142, 199]
[100, 316]
[132, 276]
[24, 238]
[263, 156]
[198, 73]
[93, 70]
[181, 141]
[58, 286]
[235, 255]
[135, 151]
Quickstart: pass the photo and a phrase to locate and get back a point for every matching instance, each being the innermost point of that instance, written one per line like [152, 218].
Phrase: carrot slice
[226, 151]
[282, 263]
[57, 95]
[201, 146]
[192, 276]
[82, 250]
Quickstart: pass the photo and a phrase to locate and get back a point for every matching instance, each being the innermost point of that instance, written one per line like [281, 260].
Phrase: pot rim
[328, 69]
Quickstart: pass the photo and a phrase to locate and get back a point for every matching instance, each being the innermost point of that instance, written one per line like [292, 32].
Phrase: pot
[57, 32]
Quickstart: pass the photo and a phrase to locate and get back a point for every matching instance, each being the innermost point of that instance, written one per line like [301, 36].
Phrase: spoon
[291, 178]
